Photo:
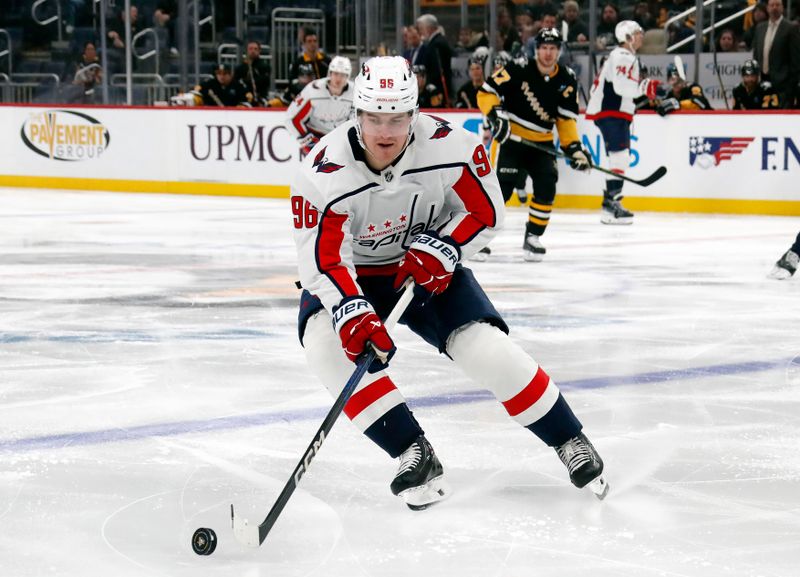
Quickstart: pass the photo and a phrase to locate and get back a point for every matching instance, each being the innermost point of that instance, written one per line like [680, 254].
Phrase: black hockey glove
[498, 124]
[578, 157]
[668, 105]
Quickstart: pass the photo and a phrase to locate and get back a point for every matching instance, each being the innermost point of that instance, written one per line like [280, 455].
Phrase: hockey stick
[657, 174]
[254, 536]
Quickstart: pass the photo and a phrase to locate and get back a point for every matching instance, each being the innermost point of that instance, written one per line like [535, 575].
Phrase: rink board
[720, 162]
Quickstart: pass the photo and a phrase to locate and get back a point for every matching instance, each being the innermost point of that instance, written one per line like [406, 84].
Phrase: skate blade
[609, 219]
[779, 273]
[531, 256]
[599, 487]
[426, 495]
[479, 257]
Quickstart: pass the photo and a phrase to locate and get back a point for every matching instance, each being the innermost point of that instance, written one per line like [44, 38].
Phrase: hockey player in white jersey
[390, 195]
[611, 107]
[322, 105]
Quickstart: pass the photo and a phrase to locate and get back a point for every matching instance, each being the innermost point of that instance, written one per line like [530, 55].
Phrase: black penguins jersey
[535, 102]
[691, 97]
[763, 96]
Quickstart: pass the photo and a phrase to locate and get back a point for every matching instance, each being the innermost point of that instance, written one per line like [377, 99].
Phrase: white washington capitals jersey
[350, 220]
[616, 86]
[318, 111]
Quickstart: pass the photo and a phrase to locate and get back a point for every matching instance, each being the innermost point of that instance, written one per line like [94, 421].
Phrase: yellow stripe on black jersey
[535, 102]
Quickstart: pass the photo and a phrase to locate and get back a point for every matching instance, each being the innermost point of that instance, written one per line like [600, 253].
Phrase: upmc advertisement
[716, 162]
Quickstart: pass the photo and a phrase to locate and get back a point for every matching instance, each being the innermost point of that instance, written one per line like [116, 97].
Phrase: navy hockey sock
[395, 430]
[614, 189]
[558, 425]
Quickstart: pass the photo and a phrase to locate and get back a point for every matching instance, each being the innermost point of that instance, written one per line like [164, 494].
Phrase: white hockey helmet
[626, 29]
[341, 65]
[386, 84]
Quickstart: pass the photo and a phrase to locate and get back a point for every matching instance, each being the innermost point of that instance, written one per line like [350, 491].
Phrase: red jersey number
[481, 160]
[305, 215]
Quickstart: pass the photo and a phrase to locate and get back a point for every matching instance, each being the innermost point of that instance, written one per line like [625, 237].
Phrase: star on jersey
[322, 164]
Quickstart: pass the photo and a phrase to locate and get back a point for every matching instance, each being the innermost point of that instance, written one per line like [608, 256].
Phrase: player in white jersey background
[322, 105]
[393, 194]
[611, 107]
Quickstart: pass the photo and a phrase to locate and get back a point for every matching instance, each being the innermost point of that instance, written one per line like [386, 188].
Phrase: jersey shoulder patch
[322, 164]
[442, 128]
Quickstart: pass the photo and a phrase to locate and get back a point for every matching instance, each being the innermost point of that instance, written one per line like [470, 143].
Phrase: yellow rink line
[634, 203]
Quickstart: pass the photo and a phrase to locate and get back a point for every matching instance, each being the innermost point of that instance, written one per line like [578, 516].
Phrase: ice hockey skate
[786, 266]
[533, 249]
[420, 477]
[482, 255]
[615, 213]
[584, 465]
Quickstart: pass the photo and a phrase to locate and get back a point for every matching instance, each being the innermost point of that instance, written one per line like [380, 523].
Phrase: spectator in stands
[469, 40]
[164, 17]
[437, 62]
[429, 94]
[726, 42]
[416, 51]
[222, 90]
[506, 31]
[756, 17]
[776, 45]
[254, 73]
[609, 18]
[305, 74]
[311, 55]
[88, 75]
[643, 17]
[116, 29]
[577, 31]
[467, 95]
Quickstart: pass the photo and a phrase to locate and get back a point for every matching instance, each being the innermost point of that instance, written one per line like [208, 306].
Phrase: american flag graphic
[719, 148]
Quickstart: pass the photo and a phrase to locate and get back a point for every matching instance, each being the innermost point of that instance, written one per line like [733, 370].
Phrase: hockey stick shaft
[255, 536]
[656, 175]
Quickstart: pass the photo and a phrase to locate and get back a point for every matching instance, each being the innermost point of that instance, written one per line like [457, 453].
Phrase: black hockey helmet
[751, 67]
[501, 59]
[305, 69]
[548, 36]
[419, 69]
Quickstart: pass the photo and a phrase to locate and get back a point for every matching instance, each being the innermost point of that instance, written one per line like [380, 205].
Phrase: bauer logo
[65, 135]
[707, 152]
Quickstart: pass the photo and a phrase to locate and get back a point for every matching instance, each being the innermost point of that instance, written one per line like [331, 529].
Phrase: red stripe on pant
[528, 396]
[368, 395]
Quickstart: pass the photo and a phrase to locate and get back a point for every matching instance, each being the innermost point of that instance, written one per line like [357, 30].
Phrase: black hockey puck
[204, 541]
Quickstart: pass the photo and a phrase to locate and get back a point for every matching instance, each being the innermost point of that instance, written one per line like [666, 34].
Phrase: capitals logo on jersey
[442, 128]
[322, 164]
[706, 152]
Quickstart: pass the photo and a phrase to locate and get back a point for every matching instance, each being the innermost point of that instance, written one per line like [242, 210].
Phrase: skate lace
[574, 454]
[409, 459]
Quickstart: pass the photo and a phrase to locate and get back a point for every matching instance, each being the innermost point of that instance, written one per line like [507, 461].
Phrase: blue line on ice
[260, 419]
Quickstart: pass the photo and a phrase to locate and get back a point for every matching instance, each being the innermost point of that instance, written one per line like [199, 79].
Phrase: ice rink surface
[150, 375]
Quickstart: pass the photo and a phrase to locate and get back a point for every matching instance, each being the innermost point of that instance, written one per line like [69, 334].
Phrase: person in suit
[416, 51]
[439, 54]
[776, 44]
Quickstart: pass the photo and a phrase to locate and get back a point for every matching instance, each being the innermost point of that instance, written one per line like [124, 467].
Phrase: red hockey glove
[307, 142]
[578, 157]
[650, 88]
[430, 261]
[357, 324]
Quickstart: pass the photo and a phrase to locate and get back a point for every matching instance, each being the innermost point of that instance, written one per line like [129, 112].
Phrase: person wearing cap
[524, 101]
[467, 94]
[322, 105]
[222, 90]
[751, 93]
[430, 95]
[305, 74]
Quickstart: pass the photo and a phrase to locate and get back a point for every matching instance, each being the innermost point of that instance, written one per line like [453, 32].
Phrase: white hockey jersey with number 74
[347, 216]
